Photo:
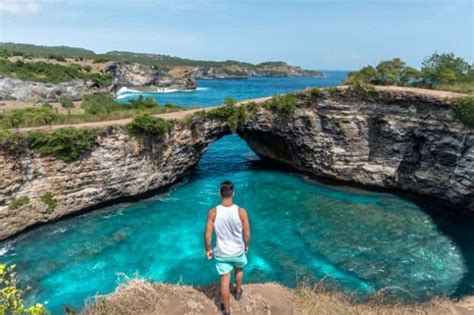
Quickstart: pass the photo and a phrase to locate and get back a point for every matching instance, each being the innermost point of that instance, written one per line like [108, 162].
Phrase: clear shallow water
[356, 241]
[213, 92]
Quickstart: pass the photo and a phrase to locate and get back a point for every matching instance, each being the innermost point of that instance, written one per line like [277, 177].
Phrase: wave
[5, 249]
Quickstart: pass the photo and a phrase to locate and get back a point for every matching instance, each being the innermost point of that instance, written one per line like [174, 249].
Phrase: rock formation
[119, 166]
[401, 140]
[398, 140]
[31, 91]
[146, 78]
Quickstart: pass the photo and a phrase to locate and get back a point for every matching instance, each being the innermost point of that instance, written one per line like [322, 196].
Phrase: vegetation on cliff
[67, 144]
[145, 124]
[11, 296]
[50, 73]
[96, 107]
[438, 71]
[18, 203]
[464, 109]
[157, 61]
[230, 113]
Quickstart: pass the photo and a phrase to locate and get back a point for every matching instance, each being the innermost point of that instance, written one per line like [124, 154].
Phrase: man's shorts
[225, 265]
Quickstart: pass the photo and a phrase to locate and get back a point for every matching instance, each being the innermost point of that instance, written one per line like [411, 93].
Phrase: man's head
[227, 189]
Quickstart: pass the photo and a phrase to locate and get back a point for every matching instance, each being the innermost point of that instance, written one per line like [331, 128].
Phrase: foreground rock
[140, 297]
[119, 166]
[402, 139]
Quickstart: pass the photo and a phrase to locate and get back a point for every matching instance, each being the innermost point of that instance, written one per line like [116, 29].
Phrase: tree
[66, 102]
[388, 71]
[444, 69]
[409, 76]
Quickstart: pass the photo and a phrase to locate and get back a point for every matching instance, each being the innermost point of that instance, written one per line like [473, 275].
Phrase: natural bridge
[400, 138]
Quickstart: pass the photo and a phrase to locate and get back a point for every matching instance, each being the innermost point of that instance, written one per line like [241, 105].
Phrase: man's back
[228, 229]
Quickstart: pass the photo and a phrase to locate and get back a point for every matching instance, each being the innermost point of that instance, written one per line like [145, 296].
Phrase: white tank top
[228, 229]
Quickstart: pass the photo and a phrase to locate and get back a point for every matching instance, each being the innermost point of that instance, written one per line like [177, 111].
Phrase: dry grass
[142, 297]
[318, 300]
[134, 297]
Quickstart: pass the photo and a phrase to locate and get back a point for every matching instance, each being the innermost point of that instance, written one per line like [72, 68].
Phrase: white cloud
[20, 7]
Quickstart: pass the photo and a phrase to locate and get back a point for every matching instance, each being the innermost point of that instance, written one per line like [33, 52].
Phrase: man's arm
[208, 233]
[245, 227]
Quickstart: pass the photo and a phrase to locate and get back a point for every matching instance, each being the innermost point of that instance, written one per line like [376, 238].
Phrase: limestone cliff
[146, 78]
[119, 166]
[401, 139]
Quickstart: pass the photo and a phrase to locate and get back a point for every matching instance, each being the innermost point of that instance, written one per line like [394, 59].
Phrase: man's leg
[239, 275]
[225, 294]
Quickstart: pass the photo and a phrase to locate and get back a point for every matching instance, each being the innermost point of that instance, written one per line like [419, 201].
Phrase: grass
[229, 113]
[318, 300]
[146, 125]
[96, 108]
[19, 202]
[465, 87]
[142, 297]
[284, 104]
[67, 144]
[464, 110]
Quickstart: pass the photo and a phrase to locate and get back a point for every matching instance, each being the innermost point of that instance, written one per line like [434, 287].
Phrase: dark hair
[227, 189]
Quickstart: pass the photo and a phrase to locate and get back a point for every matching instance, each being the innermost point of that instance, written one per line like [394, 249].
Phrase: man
[232, 229]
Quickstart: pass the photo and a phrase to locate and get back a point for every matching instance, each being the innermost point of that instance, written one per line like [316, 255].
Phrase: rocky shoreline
[139, 77]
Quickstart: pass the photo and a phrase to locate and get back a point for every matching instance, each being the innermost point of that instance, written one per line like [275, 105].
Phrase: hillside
[227, 68]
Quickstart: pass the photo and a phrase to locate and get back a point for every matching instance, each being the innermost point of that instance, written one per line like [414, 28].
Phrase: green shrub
[464, 110]
[50, 73]
[285, 104]
[87, 68]
[145, 124]
[99, 104]
[49, 200]
[66, 144]
[142, 103]
[11, 300]
[31, 116]
[361, 90]
[9, 140]
[19, 202]
[56, 57]
[315, 94]
[66, 102]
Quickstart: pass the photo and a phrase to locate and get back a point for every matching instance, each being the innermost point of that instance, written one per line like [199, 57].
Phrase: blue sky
[315, 34]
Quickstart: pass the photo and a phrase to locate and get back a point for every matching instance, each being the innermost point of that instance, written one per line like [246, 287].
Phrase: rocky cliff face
[30, 91]
[119, 166]
[401, 140]
[146, 78]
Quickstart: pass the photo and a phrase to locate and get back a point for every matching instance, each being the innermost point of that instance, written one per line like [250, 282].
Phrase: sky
[318, 34]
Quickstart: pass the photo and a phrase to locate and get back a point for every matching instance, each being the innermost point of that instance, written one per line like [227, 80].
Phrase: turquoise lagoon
[354, 240]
